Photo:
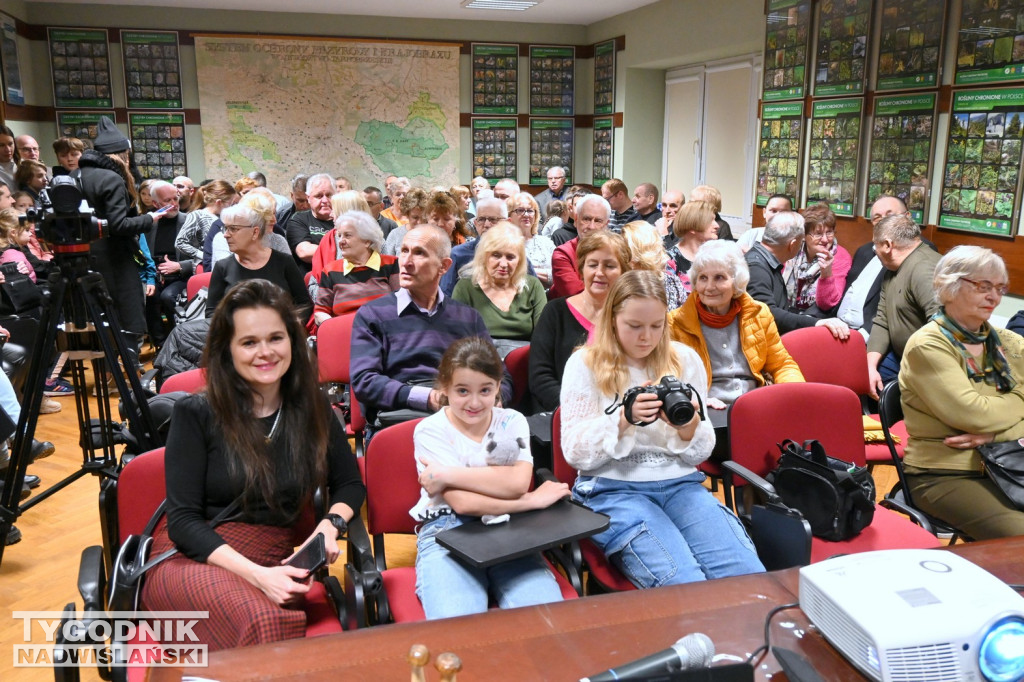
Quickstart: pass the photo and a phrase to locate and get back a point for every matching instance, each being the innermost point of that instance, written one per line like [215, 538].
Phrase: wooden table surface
[573, 639]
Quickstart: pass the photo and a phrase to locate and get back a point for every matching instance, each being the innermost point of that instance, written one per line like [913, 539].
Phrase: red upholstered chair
[766, 416]
[825, 359]
[139, 490]
[197, 282]
[392, 489]
[193, 381]
[518, 365]
[602, 571]
[333, 343]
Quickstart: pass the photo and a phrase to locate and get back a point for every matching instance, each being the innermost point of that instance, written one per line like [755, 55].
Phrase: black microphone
[690, 652]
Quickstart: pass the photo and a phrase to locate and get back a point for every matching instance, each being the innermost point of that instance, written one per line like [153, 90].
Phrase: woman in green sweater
[508, 298]
[962, 385]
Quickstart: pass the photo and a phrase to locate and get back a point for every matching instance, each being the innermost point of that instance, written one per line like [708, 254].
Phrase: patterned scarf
[801, 286]
[716, 321]
[995, 371]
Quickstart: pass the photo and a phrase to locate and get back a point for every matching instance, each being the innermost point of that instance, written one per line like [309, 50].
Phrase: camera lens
[678, 408]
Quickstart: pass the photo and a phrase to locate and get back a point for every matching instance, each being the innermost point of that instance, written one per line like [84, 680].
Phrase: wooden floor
[40, 572]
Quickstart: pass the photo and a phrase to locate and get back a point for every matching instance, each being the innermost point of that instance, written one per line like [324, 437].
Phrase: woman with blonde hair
[509, 300]
[569, 322]
[648, 252]
[638, 465]
[713, 196]
[524, 212]
[694, 224]
[465, 200]
[207, 203]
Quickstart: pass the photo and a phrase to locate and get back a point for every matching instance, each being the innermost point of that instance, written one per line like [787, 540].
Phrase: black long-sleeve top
[199, 485]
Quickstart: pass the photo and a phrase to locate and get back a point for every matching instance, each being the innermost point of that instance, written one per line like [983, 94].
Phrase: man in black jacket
[104, 184]
[171, 281]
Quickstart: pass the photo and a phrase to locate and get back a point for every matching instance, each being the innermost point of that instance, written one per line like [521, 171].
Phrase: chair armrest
[365, 600]
[544, 474]
[757, 481]
[92, 579]
[915, 514]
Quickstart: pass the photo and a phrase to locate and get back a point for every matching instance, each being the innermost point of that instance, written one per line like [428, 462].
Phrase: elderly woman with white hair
[508, 299]
[361, 274]
[962, 385]
[734, 335]
[263, 202]
[251, 258]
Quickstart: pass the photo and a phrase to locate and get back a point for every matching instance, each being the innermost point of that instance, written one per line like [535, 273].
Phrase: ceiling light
[511, 5]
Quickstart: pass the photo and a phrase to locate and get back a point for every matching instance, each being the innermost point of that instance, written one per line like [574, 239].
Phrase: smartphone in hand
[311, 557]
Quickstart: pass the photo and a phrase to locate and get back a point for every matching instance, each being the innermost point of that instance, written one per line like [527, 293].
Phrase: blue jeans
[447, 587]
[668, 532]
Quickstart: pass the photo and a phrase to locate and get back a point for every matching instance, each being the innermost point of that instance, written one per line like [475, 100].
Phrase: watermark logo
[110, 638]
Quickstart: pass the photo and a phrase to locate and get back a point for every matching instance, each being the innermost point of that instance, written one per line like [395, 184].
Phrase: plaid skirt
[240, 614]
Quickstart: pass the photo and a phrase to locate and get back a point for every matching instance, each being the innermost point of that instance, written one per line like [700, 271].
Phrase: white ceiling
[574, 12]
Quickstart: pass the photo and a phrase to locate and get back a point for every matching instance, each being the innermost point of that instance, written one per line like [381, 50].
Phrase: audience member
[734, 335]
[397, 190]
[298, 202]
[68, 151]
[592, 214]
[26, 148]
[8, 164]
[375, 200]
[306, 228]
[962, 385]
[280, 201]
[244, 230]
[413, 205]
[186, 188]
[554, 192]
[567, 323]
[398, 339]
[477, 185]
[638, 467]
[615, 193]
[208, 203]
[465, 200]
[647, 253]
[361, 274]
[567, 232]
[509, 300]
[776, 204]
[714, 197]
[173, 268]
[461, 479]
[31, 177]
[671, 202]
[694, 224]
[506, 188]
[524, 213]
[645, 201]
[261, 200]
[556, 212]
[816, 276]
[260, 438]
[906, 300]
[444, 211]
[490, 212]
[783, 239]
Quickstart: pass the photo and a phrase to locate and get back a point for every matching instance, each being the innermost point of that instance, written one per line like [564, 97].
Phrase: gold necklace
[270, 436]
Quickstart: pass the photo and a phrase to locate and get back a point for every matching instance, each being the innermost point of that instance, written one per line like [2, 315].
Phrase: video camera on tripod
[65, 219]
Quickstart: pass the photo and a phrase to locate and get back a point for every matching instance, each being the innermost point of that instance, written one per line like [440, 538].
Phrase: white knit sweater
[655, 452]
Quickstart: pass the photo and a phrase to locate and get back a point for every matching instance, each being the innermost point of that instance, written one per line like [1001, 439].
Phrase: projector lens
[1001, 655]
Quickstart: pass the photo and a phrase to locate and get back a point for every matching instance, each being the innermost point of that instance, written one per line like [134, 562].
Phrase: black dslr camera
[65, 220]
[675, 397]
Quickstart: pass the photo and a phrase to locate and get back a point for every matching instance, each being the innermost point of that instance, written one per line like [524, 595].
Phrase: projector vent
[934, 663]
[837, 627]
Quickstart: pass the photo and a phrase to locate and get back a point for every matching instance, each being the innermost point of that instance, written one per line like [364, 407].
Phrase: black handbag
[133, 560]
[837, 498]
[1004, 464]
[18, 294]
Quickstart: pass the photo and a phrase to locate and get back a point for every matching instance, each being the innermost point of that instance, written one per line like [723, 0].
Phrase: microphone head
[695, 651]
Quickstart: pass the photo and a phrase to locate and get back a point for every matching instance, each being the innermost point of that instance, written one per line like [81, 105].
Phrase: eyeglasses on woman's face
[986, 287]
[524, 211]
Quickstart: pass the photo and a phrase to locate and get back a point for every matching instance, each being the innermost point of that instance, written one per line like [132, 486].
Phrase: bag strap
[816, 451]
[151, 526]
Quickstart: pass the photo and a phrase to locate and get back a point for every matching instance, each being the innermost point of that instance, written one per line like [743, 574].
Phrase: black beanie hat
[110, 140]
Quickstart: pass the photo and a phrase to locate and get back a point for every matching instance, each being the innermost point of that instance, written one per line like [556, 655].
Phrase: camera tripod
[91, 332]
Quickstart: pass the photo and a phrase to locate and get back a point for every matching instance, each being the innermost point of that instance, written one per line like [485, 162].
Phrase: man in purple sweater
[398, 339]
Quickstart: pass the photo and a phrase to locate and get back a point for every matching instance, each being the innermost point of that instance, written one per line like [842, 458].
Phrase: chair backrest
[561, 469]
[890, 412]
[197, 282]
[518, 365]
[761, 419]
[141, 488]
[193, 381]
[824, 359]
[333, 342]
[392, 483]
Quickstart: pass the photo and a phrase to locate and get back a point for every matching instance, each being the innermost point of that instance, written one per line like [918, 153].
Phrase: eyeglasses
[524, 211]
[486, 219]
[987, 287]
[828, 234]
[560, 177]
[231, 229]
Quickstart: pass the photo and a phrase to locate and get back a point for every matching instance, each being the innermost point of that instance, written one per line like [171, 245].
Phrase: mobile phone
[311, 557]
[165, 209]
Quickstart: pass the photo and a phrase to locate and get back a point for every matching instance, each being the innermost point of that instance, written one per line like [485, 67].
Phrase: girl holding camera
[666, 528]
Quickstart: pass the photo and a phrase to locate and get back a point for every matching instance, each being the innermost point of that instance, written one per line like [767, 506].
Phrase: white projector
[905, 615]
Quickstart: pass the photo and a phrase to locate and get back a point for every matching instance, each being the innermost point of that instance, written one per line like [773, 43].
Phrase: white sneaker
[49, 406]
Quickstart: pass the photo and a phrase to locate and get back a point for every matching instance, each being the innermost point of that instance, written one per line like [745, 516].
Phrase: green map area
[410, 148]
[243, 139]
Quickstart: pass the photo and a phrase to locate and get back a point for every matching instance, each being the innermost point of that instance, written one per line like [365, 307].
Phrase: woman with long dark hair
[260, 434]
